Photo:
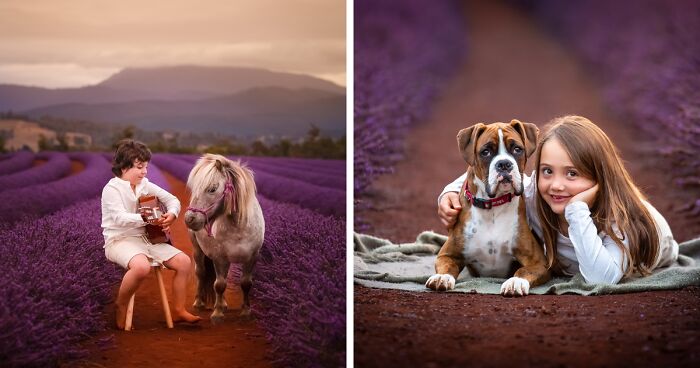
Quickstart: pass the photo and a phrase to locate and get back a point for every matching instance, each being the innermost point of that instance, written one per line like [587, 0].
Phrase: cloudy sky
[80, 42]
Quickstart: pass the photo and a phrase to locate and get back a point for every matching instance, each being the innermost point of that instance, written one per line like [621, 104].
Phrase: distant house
[21, 134]
[78, 141]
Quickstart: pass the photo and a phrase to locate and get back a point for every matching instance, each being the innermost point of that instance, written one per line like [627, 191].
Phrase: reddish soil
[38, 163]
[76, 167]
[403, 329]
[514, 70]
[237, 342]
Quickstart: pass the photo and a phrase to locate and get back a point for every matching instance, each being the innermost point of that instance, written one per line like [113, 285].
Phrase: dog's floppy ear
[466, 139]
[529, 132]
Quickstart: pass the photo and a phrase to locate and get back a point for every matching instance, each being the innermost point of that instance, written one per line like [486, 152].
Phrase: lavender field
[59, 280]
[404, 53]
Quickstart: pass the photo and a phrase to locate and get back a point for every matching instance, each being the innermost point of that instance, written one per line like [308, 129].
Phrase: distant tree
[258, 148]
[167, 144]
[227, 147]
[127, 133]
[9, 114]
[315, 145]
[62, 143]
[157, 146]
[314, 133]
[340, 148]
[282, 148]
[239, 149]
[2, 143]
[44, 144]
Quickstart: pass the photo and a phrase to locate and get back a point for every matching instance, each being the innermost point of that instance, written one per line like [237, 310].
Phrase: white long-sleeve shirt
[591, 252]
[120, 215]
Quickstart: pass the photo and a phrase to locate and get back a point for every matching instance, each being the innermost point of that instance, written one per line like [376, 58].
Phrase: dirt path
[76, 167]
[235, 343]
[514, 70]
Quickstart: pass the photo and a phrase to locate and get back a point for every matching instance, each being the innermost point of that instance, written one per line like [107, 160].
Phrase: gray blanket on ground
[382, 264]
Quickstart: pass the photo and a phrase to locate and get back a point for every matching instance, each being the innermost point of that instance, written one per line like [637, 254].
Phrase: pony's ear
[218, 165]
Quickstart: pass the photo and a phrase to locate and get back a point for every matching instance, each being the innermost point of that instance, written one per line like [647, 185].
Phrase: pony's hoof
[198, 305]
[245, 312]
[217, 319]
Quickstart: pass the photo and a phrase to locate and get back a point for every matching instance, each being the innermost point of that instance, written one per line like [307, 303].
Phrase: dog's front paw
[441, 282]
[515, 286]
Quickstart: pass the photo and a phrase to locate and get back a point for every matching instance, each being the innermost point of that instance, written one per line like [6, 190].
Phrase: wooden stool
[163, 298]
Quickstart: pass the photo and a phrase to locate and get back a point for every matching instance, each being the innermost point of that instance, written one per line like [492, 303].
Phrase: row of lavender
[301, 271]
[23, 199]
[16, 161]
[56, 282]
[49, 187]
[310, 185]
[322, 173]
[648, 53]
[56, 166]
[404, 52]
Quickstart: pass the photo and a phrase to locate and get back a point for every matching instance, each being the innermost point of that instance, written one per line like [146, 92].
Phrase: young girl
[590, 215]
[124, 229]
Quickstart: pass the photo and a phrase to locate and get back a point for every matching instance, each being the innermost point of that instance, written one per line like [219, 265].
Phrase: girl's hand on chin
[588, 196]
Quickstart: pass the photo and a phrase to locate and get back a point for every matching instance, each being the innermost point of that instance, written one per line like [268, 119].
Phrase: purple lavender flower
[56, 167]
[299, 289]
[45, 198]
[404, 52]
[17, 161]
[56, 283]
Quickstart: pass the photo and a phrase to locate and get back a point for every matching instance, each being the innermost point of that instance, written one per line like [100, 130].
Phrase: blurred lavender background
[647, 55]
[404, 53]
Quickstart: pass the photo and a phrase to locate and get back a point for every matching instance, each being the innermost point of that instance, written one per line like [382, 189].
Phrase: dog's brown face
[498, 153]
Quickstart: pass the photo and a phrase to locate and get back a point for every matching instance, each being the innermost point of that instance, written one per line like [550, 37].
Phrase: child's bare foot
[185, 316]
[121, 316]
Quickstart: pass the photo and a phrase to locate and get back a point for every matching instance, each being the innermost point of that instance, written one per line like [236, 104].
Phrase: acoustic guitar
[154, 233]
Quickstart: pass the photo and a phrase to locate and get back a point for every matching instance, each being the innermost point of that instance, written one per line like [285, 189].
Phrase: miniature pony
[226, 225]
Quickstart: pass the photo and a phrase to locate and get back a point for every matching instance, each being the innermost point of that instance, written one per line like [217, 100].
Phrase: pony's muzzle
[194, 221]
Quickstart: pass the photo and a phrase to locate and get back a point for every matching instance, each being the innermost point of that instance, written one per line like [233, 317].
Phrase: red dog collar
[486, 204]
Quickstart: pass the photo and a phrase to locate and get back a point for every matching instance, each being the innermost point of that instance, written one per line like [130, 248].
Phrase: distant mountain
[20, 98]
[164, 83]
[209, 80]
[253, 112]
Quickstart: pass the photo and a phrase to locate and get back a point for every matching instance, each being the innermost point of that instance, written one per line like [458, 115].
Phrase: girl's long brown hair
[618, 202]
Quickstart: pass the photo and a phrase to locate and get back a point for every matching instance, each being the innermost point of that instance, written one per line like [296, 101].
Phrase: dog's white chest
[490, 237]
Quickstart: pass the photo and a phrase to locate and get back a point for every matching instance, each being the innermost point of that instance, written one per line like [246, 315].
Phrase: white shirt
[120, 216]
[592, 253]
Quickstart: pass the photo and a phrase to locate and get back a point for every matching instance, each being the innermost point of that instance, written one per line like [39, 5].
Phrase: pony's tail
[208, 293]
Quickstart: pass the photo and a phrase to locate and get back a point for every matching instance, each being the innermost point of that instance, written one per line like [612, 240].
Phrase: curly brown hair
[128, 151]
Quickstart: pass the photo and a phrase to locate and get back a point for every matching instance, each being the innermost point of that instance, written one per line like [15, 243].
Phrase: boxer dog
[491, 231]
